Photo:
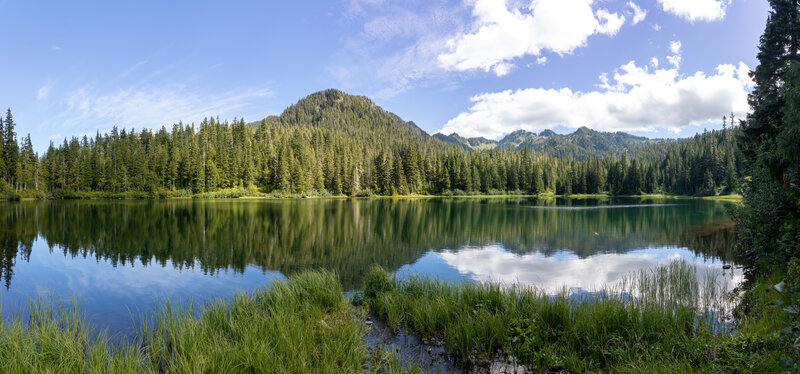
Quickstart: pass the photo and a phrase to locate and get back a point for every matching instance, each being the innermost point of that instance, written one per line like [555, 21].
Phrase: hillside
[470, 144]
[337, 110]
[580, 144]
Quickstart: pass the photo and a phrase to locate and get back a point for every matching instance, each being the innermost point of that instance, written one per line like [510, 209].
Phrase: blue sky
[658, 68]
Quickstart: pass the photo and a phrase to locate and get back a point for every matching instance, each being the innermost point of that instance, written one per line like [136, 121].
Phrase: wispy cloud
[44, 91]
[397, 45]
[154, 106]
[637, 13]
[421, 43]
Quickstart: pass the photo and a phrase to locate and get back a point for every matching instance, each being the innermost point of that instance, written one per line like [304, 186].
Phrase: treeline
[332, 143]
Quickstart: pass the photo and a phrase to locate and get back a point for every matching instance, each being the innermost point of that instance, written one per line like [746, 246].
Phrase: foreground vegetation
[663, 326]
[653, 323]
[300, 326]
[769, 218]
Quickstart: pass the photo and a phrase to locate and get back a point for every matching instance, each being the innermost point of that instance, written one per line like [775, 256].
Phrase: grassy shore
[300, 326]
[653, 322]
[656, 322]
[253, 193]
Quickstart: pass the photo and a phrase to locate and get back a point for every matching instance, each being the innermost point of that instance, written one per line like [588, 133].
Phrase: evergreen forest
[332, 143]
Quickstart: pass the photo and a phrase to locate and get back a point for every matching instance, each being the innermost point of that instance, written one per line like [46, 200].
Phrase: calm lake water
[116, 258]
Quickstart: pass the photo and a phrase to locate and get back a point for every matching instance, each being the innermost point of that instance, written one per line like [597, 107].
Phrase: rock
[726, 266]
[368, 322]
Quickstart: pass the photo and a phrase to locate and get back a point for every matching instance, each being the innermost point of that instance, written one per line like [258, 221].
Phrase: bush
[367, 192]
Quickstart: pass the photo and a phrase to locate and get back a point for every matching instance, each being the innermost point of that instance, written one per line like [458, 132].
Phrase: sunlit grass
[299, 326]
[660, 320]
[664, 319]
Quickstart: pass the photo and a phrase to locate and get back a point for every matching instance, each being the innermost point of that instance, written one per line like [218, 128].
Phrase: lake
[117, 258]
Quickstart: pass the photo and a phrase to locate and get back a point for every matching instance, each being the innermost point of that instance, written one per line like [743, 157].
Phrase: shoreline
[261, 196]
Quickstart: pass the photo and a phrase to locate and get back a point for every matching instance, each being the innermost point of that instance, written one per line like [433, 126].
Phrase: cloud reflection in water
[553, 273]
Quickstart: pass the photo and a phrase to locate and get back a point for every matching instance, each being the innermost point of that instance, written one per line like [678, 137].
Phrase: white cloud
[541, 60]
[675, 47]
[675, 59]
[501, 33]
[635, 99]
[553, 274]
[696, 10]
[637, 13]
[656, 27]
[654, 62]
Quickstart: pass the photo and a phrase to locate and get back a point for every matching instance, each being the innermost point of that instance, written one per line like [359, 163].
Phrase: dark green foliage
[769, 220]
[770, 138]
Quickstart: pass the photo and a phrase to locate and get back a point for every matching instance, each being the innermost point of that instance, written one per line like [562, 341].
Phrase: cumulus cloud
[501, 33]
[552, 274]
[696, 10]
[635, 98]
[638, 14]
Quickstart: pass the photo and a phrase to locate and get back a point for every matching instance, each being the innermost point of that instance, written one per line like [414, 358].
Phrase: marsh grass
[298, 326]
[659, 320]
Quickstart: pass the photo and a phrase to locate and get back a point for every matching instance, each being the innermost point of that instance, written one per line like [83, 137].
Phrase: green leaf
[779, 287]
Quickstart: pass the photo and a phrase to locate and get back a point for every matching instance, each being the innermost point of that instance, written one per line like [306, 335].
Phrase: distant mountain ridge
[360, 115]
[582, 143]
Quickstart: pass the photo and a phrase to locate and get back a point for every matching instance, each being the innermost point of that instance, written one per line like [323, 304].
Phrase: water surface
[118, 257]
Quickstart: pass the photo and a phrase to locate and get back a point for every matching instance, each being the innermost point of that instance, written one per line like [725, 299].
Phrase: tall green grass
[656, 321]
[302, 325]
[659, 320]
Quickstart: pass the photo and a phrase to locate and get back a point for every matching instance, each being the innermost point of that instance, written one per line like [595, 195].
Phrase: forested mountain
[469, 144]
[579, 145]
[334, 143]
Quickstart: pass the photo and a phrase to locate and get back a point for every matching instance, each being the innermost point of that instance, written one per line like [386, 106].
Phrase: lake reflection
[564, 270]
[119, 256]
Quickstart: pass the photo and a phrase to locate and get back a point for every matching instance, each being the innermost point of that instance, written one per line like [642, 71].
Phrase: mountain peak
[331, 106]
[547, 133]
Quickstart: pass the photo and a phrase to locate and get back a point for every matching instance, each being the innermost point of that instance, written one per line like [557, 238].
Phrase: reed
[659, 320]
[298, 326]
